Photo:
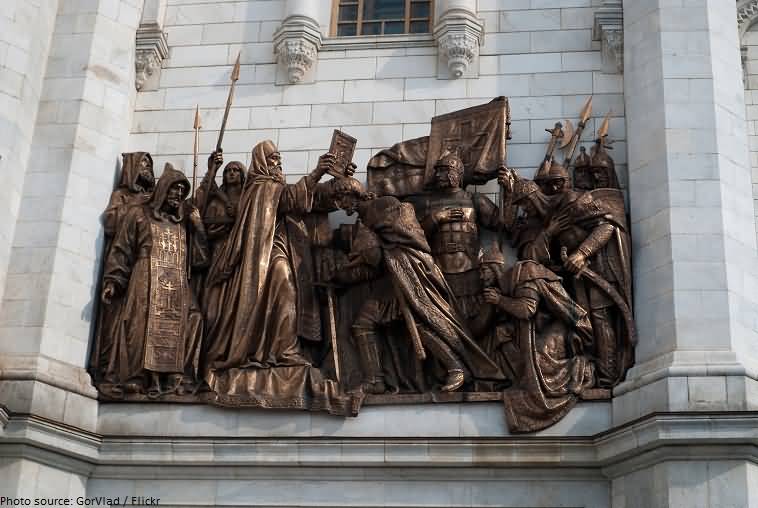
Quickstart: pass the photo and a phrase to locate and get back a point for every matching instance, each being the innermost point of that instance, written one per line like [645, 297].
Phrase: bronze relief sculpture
[244, 295]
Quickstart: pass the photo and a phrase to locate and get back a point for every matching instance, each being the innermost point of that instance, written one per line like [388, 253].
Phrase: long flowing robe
[127, 194]
[264, 275]
[410, 266]
[550, 333]
[158, 326]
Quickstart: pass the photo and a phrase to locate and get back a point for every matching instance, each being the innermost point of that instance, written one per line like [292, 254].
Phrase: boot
[368, 349]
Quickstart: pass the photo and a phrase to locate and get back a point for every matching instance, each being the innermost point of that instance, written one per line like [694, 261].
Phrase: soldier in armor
[451, 220]
[390, 247]
[585, 238]
[595, 172]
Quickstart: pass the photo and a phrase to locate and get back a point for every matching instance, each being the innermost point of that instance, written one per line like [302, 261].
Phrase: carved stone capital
[459, 34]
[151, 50]
[609, 30]
[296, 45]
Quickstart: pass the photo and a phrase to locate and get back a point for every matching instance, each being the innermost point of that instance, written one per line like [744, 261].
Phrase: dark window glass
[420, 10]
[378, 17]
[394, 27]
[419, 27]
[383, 9]
[371, 29]
[348, 13]
[346, 30]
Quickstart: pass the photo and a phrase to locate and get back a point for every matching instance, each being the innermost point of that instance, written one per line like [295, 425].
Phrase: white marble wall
[540, 54]
[750, 46]
[86, 102]
[26, 27]
[693, 224]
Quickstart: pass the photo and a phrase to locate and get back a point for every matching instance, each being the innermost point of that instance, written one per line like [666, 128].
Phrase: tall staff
[584, 118]
[195, 147]
[235, 76]
[504, 151]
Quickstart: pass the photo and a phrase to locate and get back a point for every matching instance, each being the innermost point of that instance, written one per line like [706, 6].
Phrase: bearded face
[274, 163]
[145, 177]
[174, 197]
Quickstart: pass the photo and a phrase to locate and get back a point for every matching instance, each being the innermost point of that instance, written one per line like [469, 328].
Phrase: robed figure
[390, 246]
[158, 328]
[135, 187]
[263, 277]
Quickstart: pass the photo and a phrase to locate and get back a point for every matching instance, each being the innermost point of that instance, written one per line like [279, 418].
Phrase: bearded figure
[135, 187]
[158, 326]
[266, 304]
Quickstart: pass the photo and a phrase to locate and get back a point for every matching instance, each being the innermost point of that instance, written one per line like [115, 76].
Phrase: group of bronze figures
[243, 294]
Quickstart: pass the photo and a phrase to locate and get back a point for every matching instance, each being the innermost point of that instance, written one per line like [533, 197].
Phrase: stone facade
[678, 433]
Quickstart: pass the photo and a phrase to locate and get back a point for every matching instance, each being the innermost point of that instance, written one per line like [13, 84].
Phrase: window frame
[407, 20]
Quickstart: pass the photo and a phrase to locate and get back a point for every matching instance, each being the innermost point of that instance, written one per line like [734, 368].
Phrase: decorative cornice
[459, 33]
[747, 13]
[296, 44]
[609, 30]
[151, 49]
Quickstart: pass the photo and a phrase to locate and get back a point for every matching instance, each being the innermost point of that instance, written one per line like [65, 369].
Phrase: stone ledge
[687, 364]
[471, 420]
[362, 42]
[42, 369]
[637, 445]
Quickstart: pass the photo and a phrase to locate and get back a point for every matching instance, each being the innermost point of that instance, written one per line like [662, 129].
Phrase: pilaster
[87, 99]
[26, 29]
[691, 212]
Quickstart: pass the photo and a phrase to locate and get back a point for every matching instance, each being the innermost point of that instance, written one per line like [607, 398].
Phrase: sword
[329, 289]
[609, 290]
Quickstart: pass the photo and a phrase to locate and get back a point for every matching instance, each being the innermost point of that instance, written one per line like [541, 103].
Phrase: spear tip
[603, 130]
[587, 110]
[236, 70]
[197, 117]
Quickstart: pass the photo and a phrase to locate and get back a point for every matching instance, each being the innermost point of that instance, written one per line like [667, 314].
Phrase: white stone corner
[151, 50]
[609, 30]
[459, 33]
[296, 45]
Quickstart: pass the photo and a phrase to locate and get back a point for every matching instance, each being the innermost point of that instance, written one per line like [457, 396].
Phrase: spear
[602, 132]
[195, 149]
[584, 118]
[235, 76]
[504, 152]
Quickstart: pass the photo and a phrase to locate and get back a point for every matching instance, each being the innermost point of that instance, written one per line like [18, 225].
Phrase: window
[381, 17]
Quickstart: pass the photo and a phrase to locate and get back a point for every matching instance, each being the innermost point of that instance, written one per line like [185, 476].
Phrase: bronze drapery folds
[245, 295]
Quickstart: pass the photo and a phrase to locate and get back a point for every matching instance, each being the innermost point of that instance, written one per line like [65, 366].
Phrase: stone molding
[151, 50]
[640, 444]
[367, 42]
[609, 30]
[459, 33]
[296, 45]
[48, 371]
[686, 364]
